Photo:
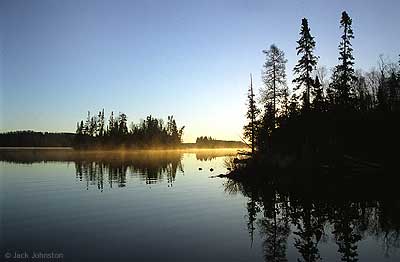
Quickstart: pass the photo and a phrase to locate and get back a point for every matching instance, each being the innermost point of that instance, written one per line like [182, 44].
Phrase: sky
[190, 59]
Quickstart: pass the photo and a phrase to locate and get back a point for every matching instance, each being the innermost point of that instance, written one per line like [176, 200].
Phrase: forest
[31, 138]
[150, 132]
[94, 133]
[210, 142]
[328, 118]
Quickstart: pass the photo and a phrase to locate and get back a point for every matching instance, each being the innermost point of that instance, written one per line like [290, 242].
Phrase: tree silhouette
[309, 231]
[148, 133]
[343, 75]
[307, 62]
[101, 123]
[274, 78]
[252, 210]
[274, 227]
[122, 124]
[250, 130]
[344, 231]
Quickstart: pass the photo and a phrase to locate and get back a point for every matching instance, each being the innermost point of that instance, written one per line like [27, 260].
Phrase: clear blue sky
[188, 58]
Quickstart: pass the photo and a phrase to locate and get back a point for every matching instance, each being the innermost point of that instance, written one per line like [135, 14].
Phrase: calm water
[158, 206]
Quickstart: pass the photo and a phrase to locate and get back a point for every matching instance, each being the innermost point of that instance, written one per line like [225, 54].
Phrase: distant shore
[44, 140]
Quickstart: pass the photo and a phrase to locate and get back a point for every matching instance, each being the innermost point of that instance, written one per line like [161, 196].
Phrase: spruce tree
[344, 76]
[307, 62]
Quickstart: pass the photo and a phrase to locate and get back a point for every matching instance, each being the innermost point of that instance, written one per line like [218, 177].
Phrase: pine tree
[274, 78]
[250, 130]
[344, 75]
[307, 62]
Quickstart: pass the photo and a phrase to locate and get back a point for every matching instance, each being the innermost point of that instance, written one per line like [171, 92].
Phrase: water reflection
[111, 168]
[211, 154]
[281, 216]
[284, 222]
[108, 168]
[114, 173]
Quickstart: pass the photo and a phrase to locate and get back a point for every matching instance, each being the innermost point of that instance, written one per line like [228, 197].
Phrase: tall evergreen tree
[274, 78]
[307, 62]
[250, 130]
[344, 76]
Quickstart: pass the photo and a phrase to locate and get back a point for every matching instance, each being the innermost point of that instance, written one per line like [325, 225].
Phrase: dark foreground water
[158, 206]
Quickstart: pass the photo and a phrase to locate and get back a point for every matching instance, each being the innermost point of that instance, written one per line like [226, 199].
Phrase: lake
[62, 205]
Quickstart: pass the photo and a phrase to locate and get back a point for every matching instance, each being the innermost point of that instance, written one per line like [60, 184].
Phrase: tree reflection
[309, 222]
[274, 226]
[252, 211]
[345, 218]
[147, 169]
[210, 154]
[275, 209]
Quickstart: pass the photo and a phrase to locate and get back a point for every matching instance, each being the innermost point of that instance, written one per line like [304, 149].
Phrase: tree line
[349, 112]
[210, 142]
[149, 132]
[30, 138]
